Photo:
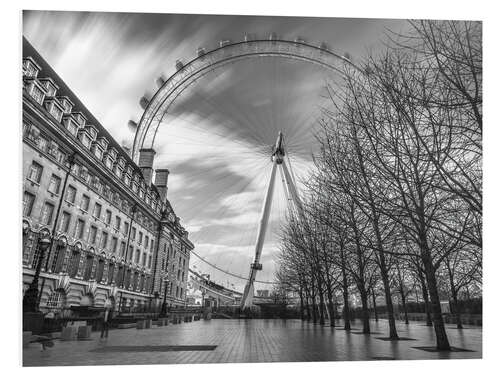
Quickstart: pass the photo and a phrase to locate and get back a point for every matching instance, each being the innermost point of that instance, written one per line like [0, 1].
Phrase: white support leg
[247, 298]
[292, 189]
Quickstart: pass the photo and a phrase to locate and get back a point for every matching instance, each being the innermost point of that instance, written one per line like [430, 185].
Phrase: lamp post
[30, 300]
[164, 304]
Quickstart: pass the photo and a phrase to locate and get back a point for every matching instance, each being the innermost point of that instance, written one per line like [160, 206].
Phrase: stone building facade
[115, 238]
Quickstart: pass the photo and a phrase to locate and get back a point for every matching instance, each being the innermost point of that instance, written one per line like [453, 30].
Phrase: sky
[217, 139]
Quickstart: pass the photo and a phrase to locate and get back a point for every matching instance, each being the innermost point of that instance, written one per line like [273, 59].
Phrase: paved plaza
[231, 341]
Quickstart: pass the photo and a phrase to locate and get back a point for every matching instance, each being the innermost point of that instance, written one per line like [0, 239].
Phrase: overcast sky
[217, 139]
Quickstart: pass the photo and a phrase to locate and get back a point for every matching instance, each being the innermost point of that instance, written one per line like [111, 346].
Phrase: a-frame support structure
[278, 159]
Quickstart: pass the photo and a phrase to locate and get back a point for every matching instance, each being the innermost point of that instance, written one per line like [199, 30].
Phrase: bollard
[147, 323]
[84, 332]
[140, 324]
[69, 333]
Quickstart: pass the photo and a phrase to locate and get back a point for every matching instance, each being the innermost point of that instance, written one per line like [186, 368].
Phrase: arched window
[128, 274]
[111, 273]
[100, 270]
[141, 284]
[74, 263]
[134, 280]
[58, 259]
[89, 262]
[119, 277]
[57, 299]
[36, 251]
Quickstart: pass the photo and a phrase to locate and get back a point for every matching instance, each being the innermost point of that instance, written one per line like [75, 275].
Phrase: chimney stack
[146, 158]
[161, 182]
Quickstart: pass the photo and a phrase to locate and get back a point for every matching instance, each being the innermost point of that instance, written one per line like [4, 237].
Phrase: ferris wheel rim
[213, 63]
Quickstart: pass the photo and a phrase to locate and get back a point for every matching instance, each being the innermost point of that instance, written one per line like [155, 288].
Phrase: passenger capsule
[179, 65]
[200, 51]
[144, 101]
[160, 81]
[324, 46]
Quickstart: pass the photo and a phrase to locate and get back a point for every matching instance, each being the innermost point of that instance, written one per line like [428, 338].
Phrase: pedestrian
[106, 319]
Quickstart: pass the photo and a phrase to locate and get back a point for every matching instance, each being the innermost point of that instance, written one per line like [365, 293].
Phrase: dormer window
[126, 179]
[54, 108]
[108, 162]
[66, 104]
[30, 67]
[50, 86]
[72, 127]
[92, 131]
[98, 153]
[36, 91]
[80, 118]
[83, 136]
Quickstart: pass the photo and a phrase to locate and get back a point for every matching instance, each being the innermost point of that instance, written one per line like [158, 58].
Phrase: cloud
[217, 139]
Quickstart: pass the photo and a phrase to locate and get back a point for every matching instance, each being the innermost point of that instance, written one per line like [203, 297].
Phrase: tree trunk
[393, 333]
[321, 303]
[403, 301]
[331, 313]
[456, 309]
[366, 312]
[439, 328]
[425, 295]
[345, 291]
[301, 305]
[374, 306]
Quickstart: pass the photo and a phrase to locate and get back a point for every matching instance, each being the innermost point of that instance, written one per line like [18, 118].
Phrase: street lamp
[30, 300]
[164, 304]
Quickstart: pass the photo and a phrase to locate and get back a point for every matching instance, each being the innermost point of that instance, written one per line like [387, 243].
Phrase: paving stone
[238, 341]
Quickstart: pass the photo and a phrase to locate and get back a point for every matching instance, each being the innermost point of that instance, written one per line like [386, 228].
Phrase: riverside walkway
[233, 341]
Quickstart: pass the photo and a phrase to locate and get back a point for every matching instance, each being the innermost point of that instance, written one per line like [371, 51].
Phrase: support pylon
[278, 161]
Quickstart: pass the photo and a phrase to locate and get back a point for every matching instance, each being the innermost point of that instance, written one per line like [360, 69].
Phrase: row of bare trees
[395, 200]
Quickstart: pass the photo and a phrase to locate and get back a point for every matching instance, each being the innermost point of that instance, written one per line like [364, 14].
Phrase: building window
[74, 263]
[140, 238]
[132, 236]
[114, 244]
[108, 217]
[79, 227]
[118, 222]
[71, 194]
[28, 201]
[47, 211]
[84, 205]
[88, 267]
[54, 184]
[152, 243]
[104, 240]
[111, 273]
[144, 258]
[146, 242]
[92, 235]
[97, 211]
[37, 94]
[125, 230]
[35, 172]
[57, 299]
[122, 249]
[149, 261]
[58, 260]
[130, 252]
[100, 270]
[65, 219]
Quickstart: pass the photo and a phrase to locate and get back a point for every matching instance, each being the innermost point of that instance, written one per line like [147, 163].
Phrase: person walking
[105, 322]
